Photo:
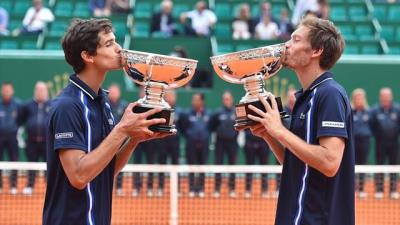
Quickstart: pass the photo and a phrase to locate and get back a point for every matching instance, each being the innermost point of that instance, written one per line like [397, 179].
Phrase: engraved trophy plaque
[250, 68]
[157, 73]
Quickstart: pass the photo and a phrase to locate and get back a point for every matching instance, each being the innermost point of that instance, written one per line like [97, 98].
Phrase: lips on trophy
[250, 68]
[157, 73]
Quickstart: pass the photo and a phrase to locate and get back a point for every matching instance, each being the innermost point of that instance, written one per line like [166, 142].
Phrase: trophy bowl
[157, 73]
[250, 68]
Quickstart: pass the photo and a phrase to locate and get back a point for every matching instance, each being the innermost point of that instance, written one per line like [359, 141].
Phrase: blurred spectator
[179, 51]
[301, 7]
[148, 150]
[284, 25]
[221, 123]
[34, 114]
[9, 108]
[256, 149]
[163, 21]
[169, 146]
[117, 106]
[362, 134]
[242, 25]
[99, 8]
[36, 19]
[201, 78]
[202, 20]
[385, 126]
[265, 10]
[267, 30]
[323, 9]
[117, 6]
[197, 134]
[4, 22]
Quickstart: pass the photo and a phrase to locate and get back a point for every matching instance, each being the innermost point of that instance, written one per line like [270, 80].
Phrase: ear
[317, 52]
[87, 58]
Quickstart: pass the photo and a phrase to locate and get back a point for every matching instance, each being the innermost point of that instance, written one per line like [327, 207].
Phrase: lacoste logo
[64, 135]
[332, 124]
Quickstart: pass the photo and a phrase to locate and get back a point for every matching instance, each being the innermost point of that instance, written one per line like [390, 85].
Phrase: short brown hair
[83, 35]
[324, 35]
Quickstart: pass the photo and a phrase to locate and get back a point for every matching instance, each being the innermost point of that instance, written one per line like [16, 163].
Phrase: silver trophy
[157, 73]
[250, 67]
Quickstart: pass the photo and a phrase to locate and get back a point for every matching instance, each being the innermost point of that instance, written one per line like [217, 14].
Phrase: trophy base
[242, 110]
[167, 114]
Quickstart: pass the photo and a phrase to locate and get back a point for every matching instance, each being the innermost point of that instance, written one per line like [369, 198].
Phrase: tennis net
[143, 201]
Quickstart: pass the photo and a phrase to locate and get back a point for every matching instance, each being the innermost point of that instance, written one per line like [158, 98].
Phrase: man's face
[37, 4]
[7, 92]
[41, 92]
[197, 102]
[108, 53]
[385, 98]
[298, 49]
[358, 100]
[227, 100]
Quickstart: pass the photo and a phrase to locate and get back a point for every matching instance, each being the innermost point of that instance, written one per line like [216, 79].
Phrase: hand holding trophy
[157, 73]
[250, 67]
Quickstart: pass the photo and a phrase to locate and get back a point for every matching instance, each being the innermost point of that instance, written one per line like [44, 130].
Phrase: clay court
[142, 210]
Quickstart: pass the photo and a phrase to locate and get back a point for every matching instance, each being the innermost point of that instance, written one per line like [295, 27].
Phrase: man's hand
[270, 120]
[136, 125]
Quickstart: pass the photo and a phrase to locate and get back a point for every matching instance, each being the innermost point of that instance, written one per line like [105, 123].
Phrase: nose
[118, 48]
[287, 44]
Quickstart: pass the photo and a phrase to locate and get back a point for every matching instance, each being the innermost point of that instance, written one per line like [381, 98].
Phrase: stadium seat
[225, 48]
[365, 32]
[81, 10]
[380, 12]
[223, 30]
[388, 32]
[29, 44]
[394, 14]
[338, 13]
[120, 28]
[58, 28]
[394, 50]
[241, 47]
[143, 10]
[351, 49]
[370, 49]
[222, 11]
[179, 8]
[7, 5]
[398, 34]
[142, 29]
[358, 13]
[21, 7]
[52, 46]
[8, 44]
[347, 32]
[63, 9]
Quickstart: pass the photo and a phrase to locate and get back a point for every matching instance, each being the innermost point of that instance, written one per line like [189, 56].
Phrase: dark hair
[324, 35]
[200, 94]
[83, 35]
[4, 83]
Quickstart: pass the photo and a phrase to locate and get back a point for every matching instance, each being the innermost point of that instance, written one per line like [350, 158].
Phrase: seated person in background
[3, 22]
[202, 19]
[265, 10]
[36, 19]
[267, 30]
[242, 25]
[284, 25]
[99, 8]
[118, 6]
[162, 21]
